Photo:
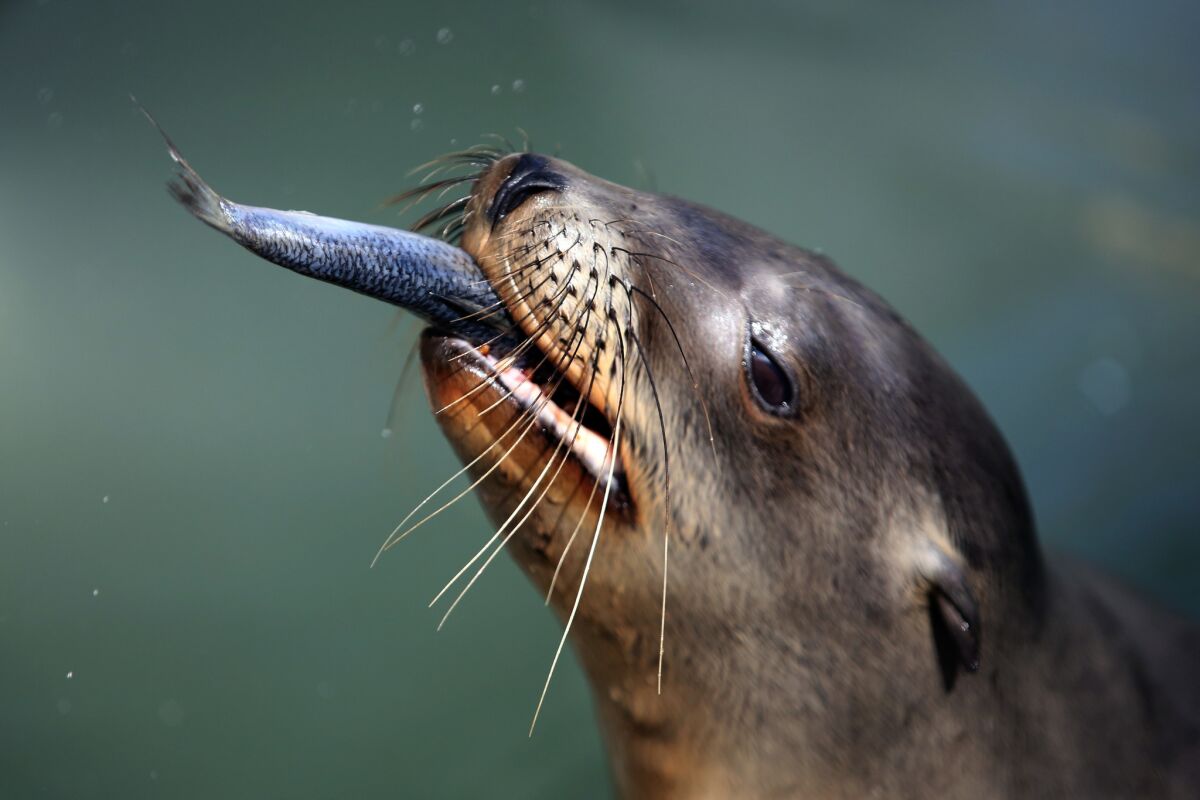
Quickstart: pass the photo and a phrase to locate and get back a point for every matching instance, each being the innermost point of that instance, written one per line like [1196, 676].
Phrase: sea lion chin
[722, 458]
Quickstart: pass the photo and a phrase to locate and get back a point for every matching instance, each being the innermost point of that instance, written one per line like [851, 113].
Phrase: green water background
[192, 474]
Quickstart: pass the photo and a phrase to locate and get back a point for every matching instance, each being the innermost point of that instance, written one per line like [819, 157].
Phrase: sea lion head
[837, 514]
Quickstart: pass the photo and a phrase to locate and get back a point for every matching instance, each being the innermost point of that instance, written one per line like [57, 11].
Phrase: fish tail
[187, 187]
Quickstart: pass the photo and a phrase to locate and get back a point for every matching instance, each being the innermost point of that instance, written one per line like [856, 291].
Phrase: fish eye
[530, 176]
[772, 387]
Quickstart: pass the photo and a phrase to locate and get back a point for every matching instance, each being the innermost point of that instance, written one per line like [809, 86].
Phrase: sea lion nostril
[530, 175]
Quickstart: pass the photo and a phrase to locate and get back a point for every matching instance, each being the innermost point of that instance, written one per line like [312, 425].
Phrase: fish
[431, 278]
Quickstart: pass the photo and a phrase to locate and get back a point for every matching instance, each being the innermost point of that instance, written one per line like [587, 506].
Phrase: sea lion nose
[531, 174]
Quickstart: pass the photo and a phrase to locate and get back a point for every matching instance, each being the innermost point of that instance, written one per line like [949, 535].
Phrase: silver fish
[435, 280]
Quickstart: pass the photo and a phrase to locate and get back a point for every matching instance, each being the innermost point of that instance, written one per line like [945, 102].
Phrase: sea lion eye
[772, 386]
[530, 175]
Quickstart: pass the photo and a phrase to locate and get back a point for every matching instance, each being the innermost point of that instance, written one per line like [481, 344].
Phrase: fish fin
[187, 187]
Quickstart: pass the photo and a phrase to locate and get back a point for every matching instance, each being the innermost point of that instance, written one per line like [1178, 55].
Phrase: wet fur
[803, 650]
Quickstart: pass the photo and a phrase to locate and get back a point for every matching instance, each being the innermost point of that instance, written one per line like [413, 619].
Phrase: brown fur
[812, 554]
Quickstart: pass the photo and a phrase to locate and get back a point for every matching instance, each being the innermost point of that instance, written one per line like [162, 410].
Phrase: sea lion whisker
[529, 415]
[566, 456]
[436, 169]
[500, 306]
[511, 276]
[405, 371]
[388, 543]
[576, 419]
[683, 355]
[505, 236]
[676, 264]
[510, 358]
[571, 540]
[424, 190]
[662, 427]
[648, 232]
[503, 140]
[533, 264]
[500, 531]
[481, 154]
[475, 577]
[528, 374]
[395, 536]
[448, 211]
[611, 457]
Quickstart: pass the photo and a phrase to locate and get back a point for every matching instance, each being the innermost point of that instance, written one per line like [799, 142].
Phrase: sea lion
[793, 553]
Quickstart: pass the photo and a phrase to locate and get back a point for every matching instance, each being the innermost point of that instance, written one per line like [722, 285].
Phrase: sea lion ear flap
[953, 613]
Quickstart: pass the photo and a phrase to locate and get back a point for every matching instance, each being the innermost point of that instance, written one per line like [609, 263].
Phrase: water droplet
[418, 108]
[445, 36]
[381, 43]
[325, 690]
[406, 47]
[495, 88]
[104, 499]
[416, 125]
[95, 592]
[129, 49]
[45, 95]
[64, 706]
[70, 674]
[518, 86]
[386, 433]
[54, 121]
[153, 774]
[1105, 382]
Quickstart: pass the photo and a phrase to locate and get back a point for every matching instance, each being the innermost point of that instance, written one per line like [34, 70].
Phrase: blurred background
[194, 466]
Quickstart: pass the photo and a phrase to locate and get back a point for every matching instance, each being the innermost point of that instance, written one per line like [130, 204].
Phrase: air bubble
[445, 36]
[418, 108]
[518, 86]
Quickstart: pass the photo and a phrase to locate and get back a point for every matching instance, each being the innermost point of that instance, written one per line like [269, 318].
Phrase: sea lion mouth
[527, 397]
[556, 366]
